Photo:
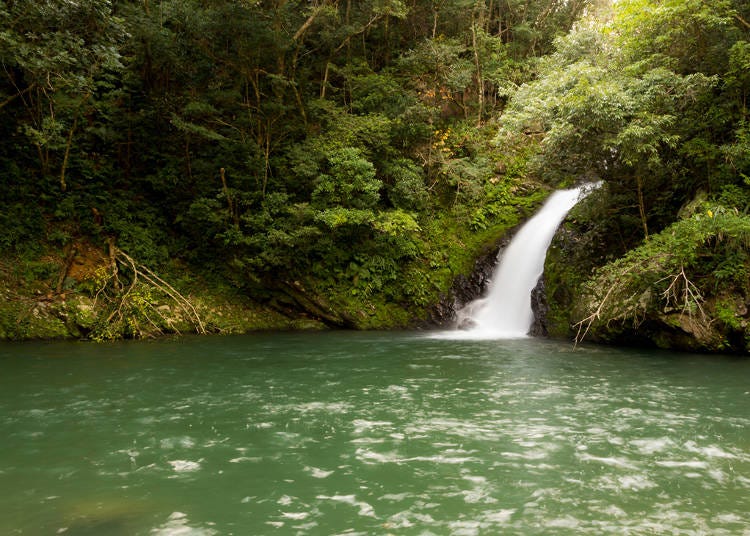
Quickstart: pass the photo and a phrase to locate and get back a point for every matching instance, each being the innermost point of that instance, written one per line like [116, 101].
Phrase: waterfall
[505, 312]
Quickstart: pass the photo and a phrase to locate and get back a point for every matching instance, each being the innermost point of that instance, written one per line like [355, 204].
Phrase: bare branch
[742, 21]
[310, 20]
[589, 320]
[686, 297]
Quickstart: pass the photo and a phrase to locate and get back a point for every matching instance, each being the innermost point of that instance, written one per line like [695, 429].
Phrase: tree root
[111, 288]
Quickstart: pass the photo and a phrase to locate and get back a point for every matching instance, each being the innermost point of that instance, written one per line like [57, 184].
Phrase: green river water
[370, 433]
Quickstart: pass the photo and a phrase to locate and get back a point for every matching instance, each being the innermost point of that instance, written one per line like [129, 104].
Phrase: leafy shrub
[406, 184]
[350, 182]
[676, 270]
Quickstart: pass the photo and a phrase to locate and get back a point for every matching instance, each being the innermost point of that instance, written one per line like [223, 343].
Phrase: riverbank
[683, 288]
[90, 289]
[31, 309]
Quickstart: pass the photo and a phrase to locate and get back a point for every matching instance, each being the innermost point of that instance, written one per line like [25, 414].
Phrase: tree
[52, 54]
[602, 117]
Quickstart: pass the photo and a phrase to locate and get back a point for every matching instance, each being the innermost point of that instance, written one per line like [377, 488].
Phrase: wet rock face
[540, 307]
[466, 288]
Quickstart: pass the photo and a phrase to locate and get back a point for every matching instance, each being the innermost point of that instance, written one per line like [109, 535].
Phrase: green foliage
[350, 182]
[725, 311]
[265, 143]
[690, 35]
[676, 272]
[497, 209]
[736, 197]
[21, 226]
[405, 183]
[655, 117]
[336, 217]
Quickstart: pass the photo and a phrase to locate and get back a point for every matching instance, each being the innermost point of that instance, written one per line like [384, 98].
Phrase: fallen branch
[685, 297]
[127, 293]
[741, 20]
[589, 320]
[597, 314]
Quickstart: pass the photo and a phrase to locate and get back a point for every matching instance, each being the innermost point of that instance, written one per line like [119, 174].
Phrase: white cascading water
[505, 312]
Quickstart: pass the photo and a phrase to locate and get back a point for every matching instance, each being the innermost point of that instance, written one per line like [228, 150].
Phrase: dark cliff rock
[540, 307]
[615, 292]
[466, 288]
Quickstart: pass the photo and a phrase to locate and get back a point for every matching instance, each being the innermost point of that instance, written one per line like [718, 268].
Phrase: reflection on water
[370, 433]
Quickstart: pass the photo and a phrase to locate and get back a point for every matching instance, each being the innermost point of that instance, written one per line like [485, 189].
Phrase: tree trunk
[480, 76]
[642, 205]
[324, 84]
[230, 201]
[70, 254]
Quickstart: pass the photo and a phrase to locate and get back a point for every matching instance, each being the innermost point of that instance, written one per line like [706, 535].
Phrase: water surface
[370, 433]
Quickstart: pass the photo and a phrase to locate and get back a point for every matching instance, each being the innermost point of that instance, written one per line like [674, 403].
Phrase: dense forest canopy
[350, 150]
[133, 109]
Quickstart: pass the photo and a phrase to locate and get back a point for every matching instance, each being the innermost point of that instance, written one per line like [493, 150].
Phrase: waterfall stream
[505, 311]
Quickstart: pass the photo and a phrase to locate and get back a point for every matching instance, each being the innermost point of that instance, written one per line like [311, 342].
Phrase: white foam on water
[184, 466]
[465, 528]
[396, 497]
[177, 525]
[362, 425]
[305, 528]
[711, 451]
[398, 390]
[371, 457]
[613, 511]
[650, 446]
[480, 495]
[635, 482]
[409, 518]
[285, 500]
[368, 440]
[690, 464]
[547, 392]
[728, 518]
[297, 516]
[619, 462]
[567, 522]
[171, 443]
[441, 458]
[501, 516]
[324, 407]
[316, 472]
[718, 475]
[246, 459]
[365, 509]
[526, 455]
